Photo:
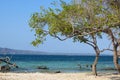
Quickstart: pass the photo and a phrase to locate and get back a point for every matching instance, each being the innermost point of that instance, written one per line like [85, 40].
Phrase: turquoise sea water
[29, 63]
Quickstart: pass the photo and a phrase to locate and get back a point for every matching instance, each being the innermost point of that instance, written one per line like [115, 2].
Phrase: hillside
[14, 51]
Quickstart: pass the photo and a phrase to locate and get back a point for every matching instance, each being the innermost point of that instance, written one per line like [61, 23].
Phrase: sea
[62, 63]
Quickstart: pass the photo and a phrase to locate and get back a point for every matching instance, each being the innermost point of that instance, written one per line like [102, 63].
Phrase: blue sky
[15, 32]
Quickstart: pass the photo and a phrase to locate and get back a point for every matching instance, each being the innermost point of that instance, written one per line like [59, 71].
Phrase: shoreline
[58, 76]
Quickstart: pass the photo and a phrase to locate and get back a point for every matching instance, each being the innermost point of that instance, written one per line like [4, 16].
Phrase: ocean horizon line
[56, 54]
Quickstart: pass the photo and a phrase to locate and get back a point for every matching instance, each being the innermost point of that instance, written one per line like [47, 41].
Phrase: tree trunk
[94, 69]
[115, 60]
[115, 43]
[97, 51]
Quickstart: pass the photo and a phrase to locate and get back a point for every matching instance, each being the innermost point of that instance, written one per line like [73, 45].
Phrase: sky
[15, 32]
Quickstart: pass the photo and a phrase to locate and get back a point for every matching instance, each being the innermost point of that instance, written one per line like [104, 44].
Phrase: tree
[114, 32]
[82, 22]
[115, 44]
[112, 27]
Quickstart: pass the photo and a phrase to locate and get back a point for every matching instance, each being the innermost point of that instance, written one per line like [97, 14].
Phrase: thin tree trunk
[94, 69]
[115, 44]
[97, 51]
[115, 60]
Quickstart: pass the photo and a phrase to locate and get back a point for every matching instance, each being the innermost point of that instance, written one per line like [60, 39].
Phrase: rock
[87, 66]
[14, 65]
[91, 66]
[42, 67]
[109, 68]
[58, 72]
[79, 66]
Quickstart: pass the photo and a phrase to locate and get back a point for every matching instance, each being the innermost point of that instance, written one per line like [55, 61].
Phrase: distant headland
[15, 51]
[32, 52]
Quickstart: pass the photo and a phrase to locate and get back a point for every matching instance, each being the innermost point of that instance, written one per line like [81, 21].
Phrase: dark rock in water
[5, 68]
[87, 66]
[109, 68]
[58, 72]
[90, 66]
[42, 67]
[79, 66]
[16, 66]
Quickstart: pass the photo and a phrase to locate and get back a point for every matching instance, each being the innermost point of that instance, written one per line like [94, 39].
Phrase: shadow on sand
[111, 76]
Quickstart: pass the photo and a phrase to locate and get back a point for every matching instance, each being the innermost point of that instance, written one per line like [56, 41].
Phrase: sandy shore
[59, 76]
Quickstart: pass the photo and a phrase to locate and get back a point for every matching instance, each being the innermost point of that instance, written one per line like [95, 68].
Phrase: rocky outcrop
[42, 67]
[57, 71]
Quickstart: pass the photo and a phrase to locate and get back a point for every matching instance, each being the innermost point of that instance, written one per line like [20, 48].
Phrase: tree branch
[62, 39]
[106, 50]
[77, 32]
[84, 32]
[90, 44]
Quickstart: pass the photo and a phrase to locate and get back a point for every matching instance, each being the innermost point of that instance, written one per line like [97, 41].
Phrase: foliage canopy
[76, 21]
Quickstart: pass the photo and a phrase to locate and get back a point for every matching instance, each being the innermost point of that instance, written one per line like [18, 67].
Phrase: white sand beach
[58, 76]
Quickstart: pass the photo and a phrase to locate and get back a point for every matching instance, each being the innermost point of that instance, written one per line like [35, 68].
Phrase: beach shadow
[111, 76]
[115, 78]
[104, 74]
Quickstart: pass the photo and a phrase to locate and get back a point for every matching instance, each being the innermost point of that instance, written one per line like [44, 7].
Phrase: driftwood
[9, 63]
[7, 67]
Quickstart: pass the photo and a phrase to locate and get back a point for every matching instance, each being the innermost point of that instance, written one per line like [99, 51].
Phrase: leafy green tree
[82, 22]
[110, 25]
[113, 29]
